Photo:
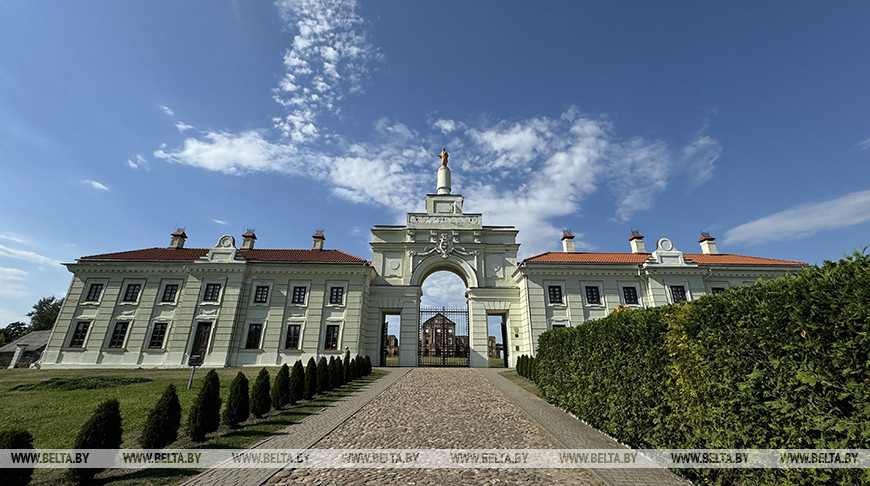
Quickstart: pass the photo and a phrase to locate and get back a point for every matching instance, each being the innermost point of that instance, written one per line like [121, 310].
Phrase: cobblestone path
[441, 409]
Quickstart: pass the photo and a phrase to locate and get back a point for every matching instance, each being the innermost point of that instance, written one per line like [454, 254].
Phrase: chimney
[248, 239]
[178, 238]
[708, 244]
[636, 242]
[318, 240]
[567, 242]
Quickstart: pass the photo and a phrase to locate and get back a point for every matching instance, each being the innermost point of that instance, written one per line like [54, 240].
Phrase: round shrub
[238, 407]
[16, 439]
[101, 431]
[260, 402]
[161, 427]
[205, 414]
[281, 388]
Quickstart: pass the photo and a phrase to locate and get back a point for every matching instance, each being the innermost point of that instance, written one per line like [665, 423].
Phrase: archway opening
[443, 332]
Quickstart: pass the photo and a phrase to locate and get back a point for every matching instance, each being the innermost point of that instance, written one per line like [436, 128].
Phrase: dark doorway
[200, 341]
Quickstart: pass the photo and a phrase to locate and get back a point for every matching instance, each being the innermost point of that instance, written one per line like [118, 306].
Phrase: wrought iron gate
[444, 339]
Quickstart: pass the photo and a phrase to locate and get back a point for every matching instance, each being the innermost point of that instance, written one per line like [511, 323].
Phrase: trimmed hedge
[16, 439]
[205, 414]
[101, 431]
[783, 363]
[260, 402]
[161, 427]
[333, 373]
[323, 383]
[238, 407]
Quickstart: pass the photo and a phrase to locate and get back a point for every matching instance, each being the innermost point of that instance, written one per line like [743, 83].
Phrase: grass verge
[524, 383]
[54, 416]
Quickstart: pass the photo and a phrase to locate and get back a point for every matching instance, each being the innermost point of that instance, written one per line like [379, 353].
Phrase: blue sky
[121, 120]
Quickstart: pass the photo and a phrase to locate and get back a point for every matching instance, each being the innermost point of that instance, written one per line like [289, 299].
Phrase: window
[331, 337]
[118, 335]
[94, 293]
[132, 292]
[336, 295]
[261, 295]
[158, 335]
[78, 337]
[298, 295]
[555, 292]
[558, 326]
[630, 295]
[593, 296]
[717, 290]
[678, 292]
[212, 292]
[253, 341]
[169, 293]
[292, 341]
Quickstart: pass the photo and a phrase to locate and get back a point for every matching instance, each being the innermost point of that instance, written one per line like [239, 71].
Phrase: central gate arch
[442, 238]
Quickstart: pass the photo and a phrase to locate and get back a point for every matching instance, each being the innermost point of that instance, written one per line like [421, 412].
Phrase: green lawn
[496, 362]
[54, 417]
[526, 384]
[392, 361]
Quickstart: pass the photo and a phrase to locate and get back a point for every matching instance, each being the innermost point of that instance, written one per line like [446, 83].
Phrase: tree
[260, 402]
[323, 384]
[297, 382]
[205, 414]
[310, 379]
[238, 407]
[333, 373]
[14, 331]
[101, 431]
[281, 388]
[44, 313]
[340, 372]
[161, 428]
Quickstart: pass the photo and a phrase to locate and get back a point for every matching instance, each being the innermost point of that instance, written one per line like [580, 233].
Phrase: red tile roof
[638, 258]
[190, 254]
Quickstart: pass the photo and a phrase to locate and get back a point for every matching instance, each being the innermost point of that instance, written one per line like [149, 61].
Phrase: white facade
[248, 307]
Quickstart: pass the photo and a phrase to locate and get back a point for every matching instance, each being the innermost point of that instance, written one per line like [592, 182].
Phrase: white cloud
[443, 289]
[446, 126]
[232, 153]
[14, 237]
[137, 162]
[12, 274]
[181, 126]
[700, 158]
[329, 57]
[167, 110]
[96, 185]
[804, 220]
[218, 221]
[864, 144]
[27, 256]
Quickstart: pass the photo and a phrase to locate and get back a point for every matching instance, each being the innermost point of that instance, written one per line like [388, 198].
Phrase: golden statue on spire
[443, 155]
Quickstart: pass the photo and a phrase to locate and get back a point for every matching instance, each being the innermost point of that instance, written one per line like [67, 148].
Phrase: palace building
[245, 306]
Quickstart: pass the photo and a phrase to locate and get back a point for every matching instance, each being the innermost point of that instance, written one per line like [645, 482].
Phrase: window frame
[342, 296]
[111, 342]
[259, 326]
[301, 326]
[86, 294]
[551, 291]
[127, 286]
[255, 297]
[597, 291]
[673, 296]
[625, 297]
[84, 334]
[175, 295]
[206, 292]
[163, 338]
[304, 300]
[326, 337]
